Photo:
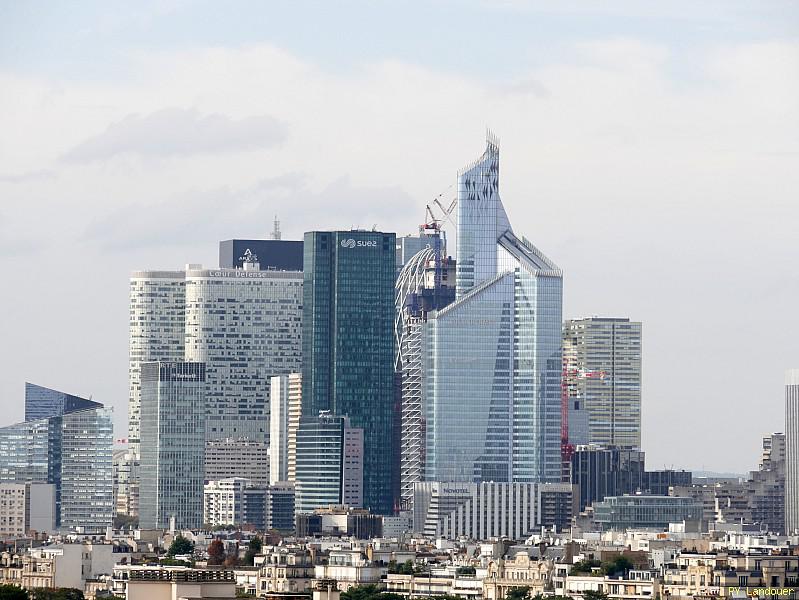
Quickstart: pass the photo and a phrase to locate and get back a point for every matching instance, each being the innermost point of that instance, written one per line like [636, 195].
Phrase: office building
[26, 508]
[490, 509]
[172, 444]
[71, 451]
[628, 512]
[280, 510]
[126, 482]
[767, 485]
[337, 521]
[237, 457]
[42, 402]
[598, 472]
[87, 470]
[330, 463]
[246, 326]
[602, 371]
[157, 329]
[273, 255]
[348, 346]
[426, 282]
[286, 390]
[493, 356]
[792, 451]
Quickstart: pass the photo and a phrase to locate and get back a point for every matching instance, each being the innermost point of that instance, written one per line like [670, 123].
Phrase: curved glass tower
[491, 385]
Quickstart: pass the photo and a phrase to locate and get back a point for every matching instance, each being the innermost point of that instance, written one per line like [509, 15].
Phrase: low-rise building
[350, 568]
[637, 585]
[285, 570]
[520, 571]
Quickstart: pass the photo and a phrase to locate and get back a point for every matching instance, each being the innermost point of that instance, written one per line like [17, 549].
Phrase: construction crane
[433, 222]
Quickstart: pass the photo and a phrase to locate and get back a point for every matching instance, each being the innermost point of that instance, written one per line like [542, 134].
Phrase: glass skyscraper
[348, 348]
[172, 444]
[493, 357]
[71, 449]
[42, 402]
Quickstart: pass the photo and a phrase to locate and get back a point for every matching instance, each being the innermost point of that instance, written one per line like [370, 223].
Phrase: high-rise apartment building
[767, 485]
[71, 450]
[286, 393]
[792, 451]
[293, 425]
[126, 482]
[157, 330]
[493, 357]
[172, 444]
[602, 370]
[246, 326]
[330, 463]
[348, 345]
[426, 282]
[42, 402]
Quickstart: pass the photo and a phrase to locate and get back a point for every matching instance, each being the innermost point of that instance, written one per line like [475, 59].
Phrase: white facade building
[489, 509]
[244, 324]
[792, 451]
[285, 399]
[223, 502]
[157, 329]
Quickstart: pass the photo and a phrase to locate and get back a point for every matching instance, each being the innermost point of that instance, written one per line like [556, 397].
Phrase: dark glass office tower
[43, 403]
[348, 344]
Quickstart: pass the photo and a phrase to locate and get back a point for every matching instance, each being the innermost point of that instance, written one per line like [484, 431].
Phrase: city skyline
[653, 198]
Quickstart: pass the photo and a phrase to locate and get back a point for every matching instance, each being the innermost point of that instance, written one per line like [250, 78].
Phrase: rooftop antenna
[276, 229]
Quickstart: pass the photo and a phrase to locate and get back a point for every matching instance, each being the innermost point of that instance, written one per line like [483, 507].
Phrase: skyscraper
[273, 255]
[348, 349]
[284, 389]
[426, 282]
[246, 326]
[493, 357]
[792, 451]
[157, 329]
[70, 449]
[42, 402]
[329, 462]
[172, 444]
[602, 370]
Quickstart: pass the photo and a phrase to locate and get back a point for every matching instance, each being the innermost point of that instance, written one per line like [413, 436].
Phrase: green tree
[592, 595]
[518, 593]
[585, 566]
[180, 545]
[56, 594]
[12, 592]
[620, 565]
[253, 549]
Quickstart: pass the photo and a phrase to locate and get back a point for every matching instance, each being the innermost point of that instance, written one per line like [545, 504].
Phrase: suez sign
[352, 243]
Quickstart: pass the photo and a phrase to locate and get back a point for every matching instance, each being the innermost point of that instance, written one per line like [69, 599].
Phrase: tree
[592, 595]
[216, 552]
[253, 549]
[518, 593]
[180, 545]
[585, 566]
[12, 592]
[619, 565]
[56, 594]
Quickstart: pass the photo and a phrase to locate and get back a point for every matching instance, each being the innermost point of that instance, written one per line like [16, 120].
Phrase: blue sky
[649, 148]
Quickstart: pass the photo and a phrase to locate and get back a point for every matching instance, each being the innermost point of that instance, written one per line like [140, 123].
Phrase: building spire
[275, 235]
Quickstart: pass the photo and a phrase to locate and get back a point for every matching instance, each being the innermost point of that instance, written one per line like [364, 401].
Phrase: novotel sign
[353, 243]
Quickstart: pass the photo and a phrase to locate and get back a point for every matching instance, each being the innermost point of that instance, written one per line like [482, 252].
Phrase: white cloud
[178, 132]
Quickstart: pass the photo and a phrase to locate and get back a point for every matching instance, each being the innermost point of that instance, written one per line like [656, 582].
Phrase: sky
[650, 149]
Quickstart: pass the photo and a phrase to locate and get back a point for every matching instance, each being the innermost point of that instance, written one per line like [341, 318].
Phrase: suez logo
[351, 243]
